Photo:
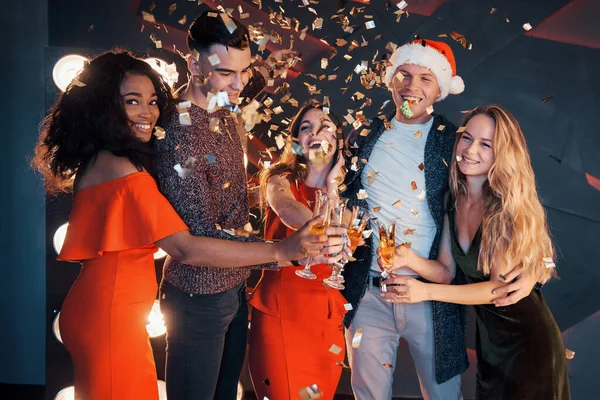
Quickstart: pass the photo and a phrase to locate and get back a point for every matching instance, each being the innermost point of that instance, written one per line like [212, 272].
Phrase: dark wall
[24, 36]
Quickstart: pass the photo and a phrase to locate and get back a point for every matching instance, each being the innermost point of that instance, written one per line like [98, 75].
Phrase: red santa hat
[436, 56]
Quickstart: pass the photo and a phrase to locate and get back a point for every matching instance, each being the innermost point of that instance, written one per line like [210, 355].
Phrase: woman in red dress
[99, 133]
[296, 335]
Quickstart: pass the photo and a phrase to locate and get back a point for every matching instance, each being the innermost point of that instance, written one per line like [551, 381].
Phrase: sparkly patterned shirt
[213, 193]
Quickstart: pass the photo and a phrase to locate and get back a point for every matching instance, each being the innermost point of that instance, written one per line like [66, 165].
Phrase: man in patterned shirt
[200, 170]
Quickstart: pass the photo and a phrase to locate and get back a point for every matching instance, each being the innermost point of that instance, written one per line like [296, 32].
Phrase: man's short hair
[208, 29]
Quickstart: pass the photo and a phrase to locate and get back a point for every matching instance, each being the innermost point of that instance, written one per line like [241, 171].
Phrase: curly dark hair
[206, 30]
[90, 116]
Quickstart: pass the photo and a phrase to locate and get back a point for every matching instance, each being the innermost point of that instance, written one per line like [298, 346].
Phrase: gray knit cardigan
[449, 320]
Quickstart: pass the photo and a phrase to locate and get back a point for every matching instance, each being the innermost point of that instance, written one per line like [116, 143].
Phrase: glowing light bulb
[66, 69]
[67, 393]
[156, 324]
[59, 237]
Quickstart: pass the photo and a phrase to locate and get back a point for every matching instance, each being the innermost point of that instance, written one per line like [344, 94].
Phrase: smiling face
[230, 75]
[317, 131]
[419, 85]
[141, 104]
[474, 151]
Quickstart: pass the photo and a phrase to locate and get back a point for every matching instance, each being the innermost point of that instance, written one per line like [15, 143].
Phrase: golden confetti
[569, 354]
[388, 365]
[414, 212]
[421, 166]
[310, 393]
[317, 24]
[183, 20]
[445, 163]
[413, 184]
[441, 127]
[418, 134]
[357, 338]
[341, 364]
[362, 194]
[226, 185]
[146, 16]
[397, 203]
[371, 176]
[231, 26]
[547, 99]
[409, 232]
[493, 10]
[187, 167]
[159, 132]
[460, 39]
[335, 349]
[461, 129]
[172, 8]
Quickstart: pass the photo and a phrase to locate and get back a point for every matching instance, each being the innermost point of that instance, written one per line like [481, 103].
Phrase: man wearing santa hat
[403, 172]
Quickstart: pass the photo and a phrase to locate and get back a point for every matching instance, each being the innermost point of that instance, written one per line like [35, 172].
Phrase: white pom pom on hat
[435, 56]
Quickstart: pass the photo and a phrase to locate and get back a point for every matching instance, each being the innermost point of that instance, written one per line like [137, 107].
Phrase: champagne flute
[387, 245]
[321, 207]
[337, 219]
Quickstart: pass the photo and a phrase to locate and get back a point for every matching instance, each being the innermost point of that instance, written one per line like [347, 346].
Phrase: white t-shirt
[396, 158]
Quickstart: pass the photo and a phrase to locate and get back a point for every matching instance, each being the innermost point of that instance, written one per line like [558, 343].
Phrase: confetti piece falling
[348, 307]
[362, 194]
[310, 392]
[527, 26]
[231, 26]
[461, 129]
[547, 99]
[418, 134]
[569, 354]
[357, 338]
[413, 185]
[549, 262]
[159, 132]
[388, 365]
[459, 158]
[214, 59]
[397, 203]
[335, 349]
[409, 232]
[187, 167]
[402, 5]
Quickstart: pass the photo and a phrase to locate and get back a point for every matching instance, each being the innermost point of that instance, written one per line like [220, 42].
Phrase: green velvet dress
[520, 353]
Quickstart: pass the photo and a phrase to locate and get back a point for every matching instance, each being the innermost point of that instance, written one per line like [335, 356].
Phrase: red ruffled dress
[295, 323]
[112, 231]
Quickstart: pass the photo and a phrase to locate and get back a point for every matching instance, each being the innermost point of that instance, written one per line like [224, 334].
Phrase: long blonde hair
[290, 164]
[514, 227]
